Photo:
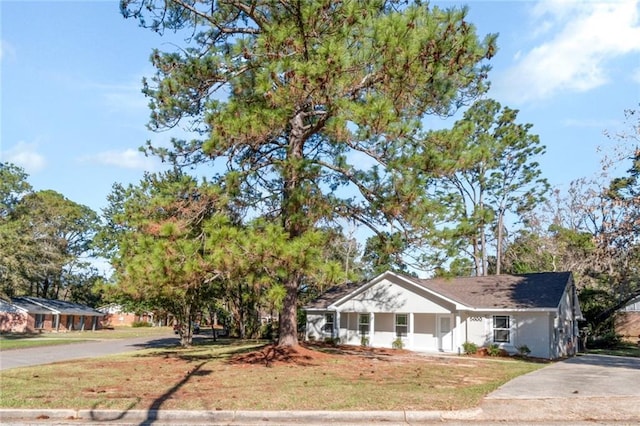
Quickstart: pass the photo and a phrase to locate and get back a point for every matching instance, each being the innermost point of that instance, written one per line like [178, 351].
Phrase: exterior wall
[627, 325]
[386, 296]
[525, 328]
[121, 319]
[13, 322]
[627, 321]
[315, 326]
[424, 332]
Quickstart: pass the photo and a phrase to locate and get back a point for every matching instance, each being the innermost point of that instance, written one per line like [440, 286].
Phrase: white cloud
[6, 50]
[580, 39]
[127, 159]
[26, 156]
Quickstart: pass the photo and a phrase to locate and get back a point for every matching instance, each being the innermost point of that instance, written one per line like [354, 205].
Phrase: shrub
[334, 341]
[469, 348]
[607, 340]
[493, 350]
[137, 324]
[524, 350]
[364, 341]
[398, 343]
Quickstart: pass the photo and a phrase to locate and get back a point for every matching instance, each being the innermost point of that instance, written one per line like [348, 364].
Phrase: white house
[539, 311]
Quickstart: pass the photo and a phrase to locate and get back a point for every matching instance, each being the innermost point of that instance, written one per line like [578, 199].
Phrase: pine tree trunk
[288, 335]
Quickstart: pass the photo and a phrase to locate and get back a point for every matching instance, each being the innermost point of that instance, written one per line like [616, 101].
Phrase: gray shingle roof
[540, 290]
[37, 305]
[527, 291]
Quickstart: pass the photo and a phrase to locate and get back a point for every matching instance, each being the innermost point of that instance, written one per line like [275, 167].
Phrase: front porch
[427, 332]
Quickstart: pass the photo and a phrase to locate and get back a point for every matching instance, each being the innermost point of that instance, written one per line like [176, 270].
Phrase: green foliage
[364, 341]
[469, 348]
[333, 341]
[397, 343]
[493, 350]
[607, 340]
[310, 90]
[44, 239]
[523, 350]
[492, 172]
[140, 324]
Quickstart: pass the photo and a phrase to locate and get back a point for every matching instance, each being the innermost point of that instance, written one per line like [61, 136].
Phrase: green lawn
[231, 375]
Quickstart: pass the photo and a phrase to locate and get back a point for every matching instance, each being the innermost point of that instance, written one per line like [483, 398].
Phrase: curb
[229, 416]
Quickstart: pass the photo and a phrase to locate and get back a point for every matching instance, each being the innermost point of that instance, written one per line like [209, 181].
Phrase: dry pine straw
[308, 378]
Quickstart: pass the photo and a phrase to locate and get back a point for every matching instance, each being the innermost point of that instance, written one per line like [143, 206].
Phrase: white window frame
[39, 321]
[400, 325]
[363, 327]
[329, 326]
[506, 329]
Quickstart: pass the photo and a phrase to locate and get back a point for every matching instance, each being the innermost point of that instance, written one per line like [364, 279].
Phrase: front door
[445, 336]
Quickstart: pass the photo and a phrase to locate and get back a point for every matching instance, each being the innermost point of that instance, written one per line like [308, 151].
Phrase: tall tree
[310, 88]
[13, 186]
[60, 233]
[495, 174]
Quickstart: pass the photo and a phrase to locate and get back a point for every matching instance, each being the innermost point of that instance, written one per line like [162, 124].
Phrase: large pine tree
[315, 108]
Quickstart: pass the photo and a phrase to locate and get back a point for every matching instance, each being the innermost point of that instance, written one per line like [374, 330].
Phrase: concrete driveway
[593, 387]
[47, 354]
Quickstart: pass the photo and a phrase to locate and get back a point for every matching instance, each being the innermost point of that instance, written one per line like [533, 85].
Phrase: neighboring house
[627, 321]
[116, 315]
[540, 311]
[33, 314]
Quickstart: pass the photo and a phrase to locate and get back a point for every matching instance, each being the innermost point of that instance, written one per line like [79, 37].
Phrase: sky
[73, 115]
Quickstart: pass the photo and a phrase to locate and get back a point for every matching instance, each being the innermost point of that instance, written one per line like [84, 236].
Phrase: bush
[469, 348]
[524, 350]
[137, 324]
[333, 341]
[398, 343]
[364, 341]
[493, 350]
[607, 340]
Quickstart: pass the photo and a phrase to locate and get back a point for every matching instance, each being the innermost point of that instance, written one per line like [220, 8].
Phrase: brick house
[34, 314]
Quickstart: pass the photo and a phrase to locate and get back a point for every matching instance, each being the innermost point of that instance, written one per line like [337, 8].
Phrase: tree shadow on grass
[152, 412]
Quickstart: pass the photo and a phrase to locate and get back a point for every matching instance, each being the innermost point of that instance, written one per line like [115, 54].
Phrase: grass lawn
[231, 375]
[621, 349]
[19, 341]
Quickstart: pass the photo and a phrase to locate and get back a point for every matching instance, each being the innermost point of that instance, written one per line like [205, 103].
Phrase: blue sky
[73, 117]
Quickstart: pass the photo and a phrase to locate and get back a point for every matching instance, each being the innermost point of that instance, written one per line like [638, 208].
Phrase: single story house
[117, 315]
[627, 321]
[32, 314]
[539, 311]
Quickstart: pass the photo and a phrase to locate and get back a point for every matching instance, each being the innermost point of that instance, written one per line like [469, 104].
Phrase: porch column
[372, 328]
[57, 322]
[336, 325]
[457, 331]
[410, 330]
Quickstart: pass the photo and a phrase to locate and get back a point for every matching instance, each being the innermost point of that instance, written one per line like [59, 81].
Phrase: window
[363, 324]
[328, 323]
[39, 321]
[69, 322]
[402, 322]
[501, 329]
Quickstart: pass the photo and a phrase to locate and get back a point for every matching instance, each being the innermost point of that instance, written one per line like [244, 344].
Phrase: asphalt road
[47, 354]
